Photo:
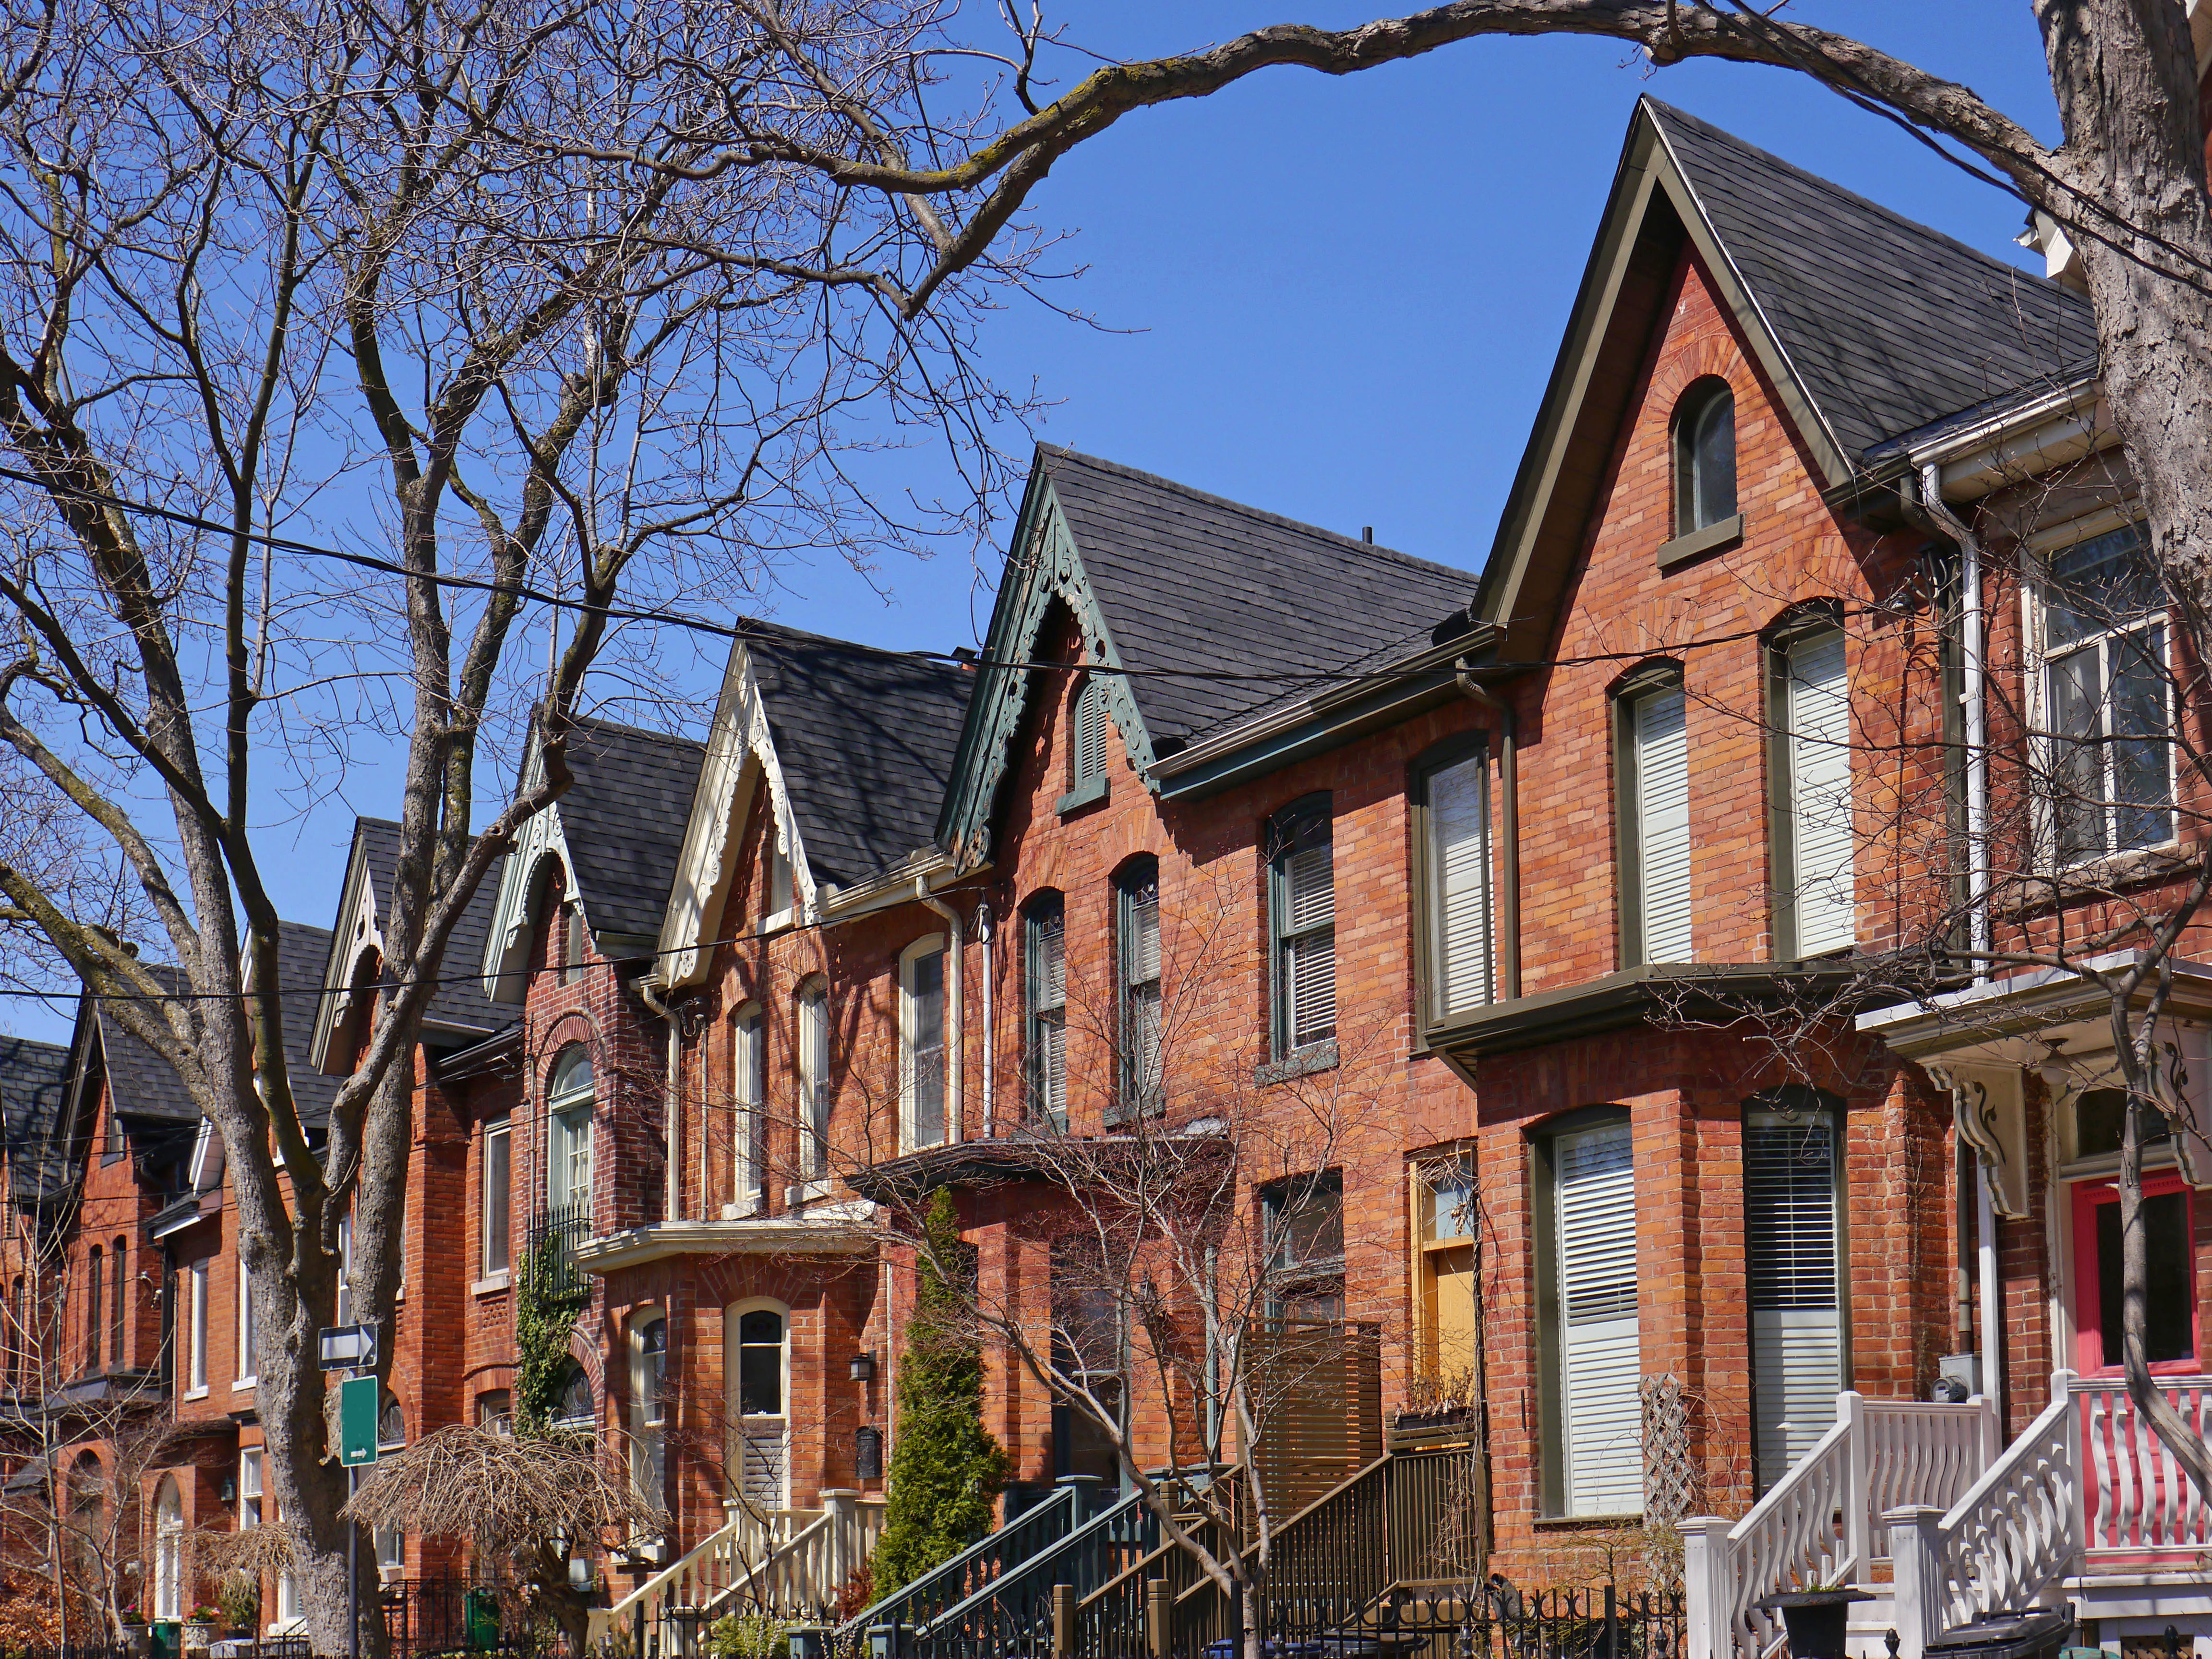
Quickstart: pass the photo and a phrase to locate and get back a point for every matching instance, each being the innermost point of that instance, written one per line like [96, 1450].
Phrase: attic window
[571, 943]
[778, 876]
[1704, 456]
[1087, 744]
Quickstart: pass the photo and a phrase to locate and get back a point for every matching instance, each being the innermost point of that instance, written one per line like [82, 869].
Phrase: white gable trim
[740, 756]
[506, 949]
[360, 927]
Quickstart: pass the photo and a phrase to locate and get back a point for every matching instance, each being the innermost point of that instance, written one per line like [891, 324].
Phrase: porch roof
[2014, 1020]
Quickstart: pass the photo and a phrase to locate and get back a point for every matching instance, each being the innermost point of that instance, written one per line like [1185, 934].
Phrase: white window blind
[813, 1077]
[1459, 865]
[749, 1179]
[1820, 725]
[1663, 826]
[1601, 1412]
[1306, 931]
[924, 1048]
[1140, 896]
[1789, 1247]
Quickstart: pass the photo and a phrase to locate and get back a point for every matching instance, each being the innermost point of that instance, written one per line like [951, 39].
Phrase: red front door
[2171, 1329]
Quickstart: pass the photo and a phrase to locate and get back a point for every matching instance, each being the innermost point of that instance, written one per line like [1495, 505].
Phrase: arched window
[1704, 456]
[116, 1357]
[1044, 1007]
[16, 1344]
[814, 1096]
[568, 1133]
[1137, 981]
[1086, 736]
[95, 1295]
[754, 1339]
[922, 1040]
[748, 1132]
[169, 1551]
[574, 1411]
[391, 1424]
[648, 1411]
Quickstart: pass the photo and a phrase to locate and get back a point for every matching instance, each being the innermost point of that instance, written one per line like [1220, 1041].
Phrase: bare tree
[333, 377]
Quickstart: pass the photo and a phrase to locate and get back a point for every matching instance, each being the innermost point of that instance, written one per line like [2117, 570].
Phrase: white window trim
[811, 1063]
[197, 1374]
[2034, 660]
[747, 1083]
[730, 1315]
[249, 1365]
[556, 1106]
[927, 945]
[495, 1129]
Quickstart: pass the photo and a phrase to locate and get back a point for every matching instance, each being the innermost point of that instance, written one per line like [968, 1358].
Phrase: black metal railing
[454, 1613]
[1012, 1615]
[549, 1266]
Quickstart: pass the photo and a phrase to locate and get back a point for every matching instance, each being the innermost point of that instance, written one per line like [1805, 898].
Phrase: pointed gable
[617, 831]
[1864, 323]
[854, 746]
[1221, 609]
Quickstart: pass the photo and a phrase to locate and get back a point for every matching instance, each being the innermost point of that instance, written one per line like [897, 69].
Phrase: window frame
[248, 1372]
[1784, 822]
[496, 1132]
[1044, 916]
[648, 1405]
[1693, 410]
[810, 1063]
[1429, 952]
[563, 1106]
[1135, 1096]
[2037, 596]
[1653, 680]
[909, 1052]
[1287, 1278]
[197, 1371]
[95, 1298]
[1282, 844]
[748, 1092]
[1816, 1105]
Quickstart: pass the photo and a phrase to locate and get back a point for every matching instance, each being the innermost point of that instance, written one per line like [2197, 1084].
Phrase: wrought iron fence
[548, 1256]
[455, 1614]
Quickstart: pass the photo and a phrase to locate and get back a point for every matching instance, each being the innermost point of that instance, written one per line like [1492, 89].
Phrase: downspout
[1928, 511]
[990, 1027]
[1508, 779]
[955, 1103]
[672, 1185]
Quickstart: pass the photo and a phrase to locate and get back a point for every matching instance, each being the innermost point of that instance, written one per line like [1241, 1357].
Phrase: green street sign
[357, 1404]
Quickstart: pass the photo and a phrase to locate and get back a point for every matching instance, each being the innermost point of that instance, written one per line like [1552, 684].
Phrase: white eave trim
[2059, 426]
[2034, 1001]
[836, 1229]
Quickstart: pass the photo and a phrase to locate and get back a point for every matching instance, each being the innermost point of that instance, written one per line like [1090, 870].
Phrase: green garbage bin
[168, 1638]
[480, 1612]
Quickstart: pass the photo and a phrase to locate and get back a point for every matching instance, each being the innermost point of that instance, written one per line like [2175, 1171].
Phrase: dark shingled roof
[142, 1084]
[34, 1088]
[866, 739]
[460, 1003]
[1889, 324]
[624, 818]
[1188, 580]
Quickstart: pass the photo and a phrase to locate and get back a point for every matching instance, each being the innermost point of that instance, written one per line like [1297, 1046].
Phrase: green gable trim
[1047, 565]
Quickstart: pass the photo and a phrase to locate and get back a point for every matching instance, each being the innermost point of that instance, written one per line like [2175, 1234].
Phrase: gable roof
[1865, 323]
[1244, 610]
[459, 1007]
[865, 739]
[34, 1089]
[623, 820]
[1187, 581]
[1889, 324]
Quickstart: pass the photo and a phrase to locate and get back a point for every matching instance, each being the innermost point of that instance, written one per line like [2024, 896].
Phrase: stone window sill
[197, 1394]
[490, 1284]
[1083, 793]
[1713, 538]
[1317, 1057]
[783, 919]
[806, 1192]
[245, 1385]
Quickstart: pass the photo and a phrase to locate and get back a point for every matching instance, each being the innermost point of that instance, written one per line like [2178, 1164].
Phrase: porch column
[1915, 1551]
[1708, 1587]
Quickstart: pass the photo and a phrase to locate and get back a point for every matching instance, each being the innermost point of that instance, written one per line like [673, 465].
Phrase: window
[1654, 825]
[249, 1488]
[495, 1411]
[1302, 882]
[1443, 1223]
[756, 1382]
[1790, 1224]
[96, 1303]
[114, 1149]
[116, 1263]
[1089, 1354]
[1455, 795]
[749, 1177]
[777, 899]
[2109, 771]
[345, 1269]
[571, 916]
[199, 1370]
[1704, 456]
[1044, 1007]
[248, 1365]
[1586, 1234]
[1086, 743]
[1304, 1217]
[922, 1040]
[814, 1076]
[573, 1408]
[391, 1424]
[1138, 1011]
[17, 1337]
[1815, 901]
[648, 1338]
[2100, 1118]
[568, 1138]
[494, 1198]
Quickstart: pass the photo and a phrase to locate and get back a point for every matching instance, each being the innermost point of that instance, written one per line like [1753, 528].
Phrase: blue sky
[1336, 299]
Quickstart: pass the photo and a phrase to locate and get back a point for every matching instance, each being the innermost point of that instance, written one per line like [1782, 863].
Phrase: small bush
[748, 1636]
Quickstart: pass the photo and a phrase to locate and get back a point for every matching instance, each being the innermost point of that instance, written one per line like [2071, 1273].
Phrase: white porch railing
[2137, 1499]
[1818, 1525]
[792, 1563]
